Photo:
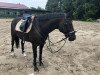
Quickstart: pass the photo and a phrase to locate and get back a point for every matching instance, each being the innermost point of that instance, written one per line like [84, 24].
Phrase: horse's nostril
[72, 38]
[66, 35]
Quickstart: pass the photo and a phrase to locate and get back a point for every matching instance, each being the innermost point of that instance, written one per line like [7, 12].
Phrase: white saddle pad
[17, 28]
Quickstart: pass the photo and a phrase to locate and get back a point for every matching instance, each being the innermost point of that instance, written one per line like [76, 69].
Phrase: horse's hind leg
[12, 44]
[22, 46]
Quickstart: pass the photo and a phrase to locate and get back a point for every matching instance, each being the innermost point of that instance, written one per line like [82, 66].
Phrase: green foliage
[90, 20]
[39, 8]
[82, 9]
[53, 5]
[59, 5]
[67, 6]
[33, 8]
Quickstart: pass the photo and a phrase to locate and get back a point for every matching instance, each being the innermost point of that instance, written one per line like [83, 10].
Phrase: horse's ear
[70, 14]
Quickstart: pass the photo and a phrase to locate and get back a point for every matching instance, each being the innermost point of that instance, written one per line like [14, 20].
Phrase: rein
[49, 47]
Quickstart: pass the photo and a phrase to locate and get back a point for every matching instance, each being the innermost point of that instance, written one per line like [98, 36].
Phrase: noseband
[71, 33]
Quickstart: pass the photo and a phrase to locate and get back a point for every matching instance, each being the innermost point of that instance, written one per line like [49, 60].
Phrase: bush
[98, 20]
[90, 20]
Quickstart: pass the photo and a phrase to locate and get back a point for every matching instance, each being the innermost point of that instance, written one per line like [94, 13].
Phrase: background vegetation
[82, 9]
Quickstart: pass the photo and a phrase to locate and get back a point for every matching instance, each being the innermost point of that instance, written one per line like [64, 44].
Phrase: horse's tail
[17, 41]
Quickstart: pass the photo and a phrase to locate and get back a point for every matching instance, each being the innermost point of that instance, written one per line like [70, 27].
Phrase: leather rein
[52, 44]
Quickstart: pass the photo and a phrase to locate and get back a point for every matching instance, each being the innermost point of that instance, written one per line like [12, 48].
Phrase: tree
[53, 5]
[32, 7]
[67, 5]
[82, 9]
[59, 5]
[39, 8]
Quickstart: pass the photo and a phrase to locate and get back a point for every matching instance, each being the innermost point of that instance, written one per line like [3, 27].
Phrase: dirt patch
[81, 57]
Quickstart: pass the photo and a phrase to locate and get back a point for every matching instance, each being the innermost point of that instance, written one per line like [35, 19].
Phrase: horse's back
[49, 16]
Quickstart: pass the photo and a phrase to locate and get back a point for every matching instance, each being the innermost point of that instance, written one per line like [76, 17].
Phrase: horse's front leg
[41, 50]
[40, 54]
[35, 56]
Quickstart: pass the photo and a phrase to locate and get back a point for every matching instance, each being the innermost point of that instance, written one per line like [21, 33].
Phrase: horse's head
[67, 28]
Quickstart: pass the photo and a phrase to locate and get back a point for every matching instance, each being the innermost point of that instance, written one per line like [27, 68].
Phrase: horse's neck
[49, 27]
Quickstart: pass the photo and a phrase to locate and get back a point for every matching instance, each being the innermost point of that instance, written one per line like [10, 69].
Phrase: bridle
[71, 32]
[51, 44]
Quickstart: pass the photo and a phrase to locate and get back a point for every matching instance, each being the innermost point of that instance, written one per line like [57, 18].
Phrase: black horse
[42, 25]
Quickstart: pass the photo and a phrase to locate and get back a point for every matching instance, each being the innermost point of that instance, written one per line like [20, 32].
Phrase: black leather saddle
[25, 24]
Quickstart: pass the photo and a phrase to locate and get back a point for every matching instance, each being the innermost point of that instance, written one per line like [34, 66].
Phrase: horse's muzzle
[72, 38]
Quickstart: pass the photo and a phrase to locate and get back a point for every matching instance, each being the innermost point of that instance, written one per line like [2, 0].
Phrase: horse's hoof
[31, 74]
[24, 54]
[12, 53]
[41, 64]
[36, 69]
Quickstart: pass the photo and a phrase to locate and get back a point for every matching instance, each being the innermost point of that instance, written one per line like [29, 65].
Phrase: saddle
[25, 24]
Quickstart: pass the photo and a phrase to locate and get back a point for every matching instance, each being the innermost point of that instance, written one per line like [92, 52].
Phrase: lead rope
[49, 47]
